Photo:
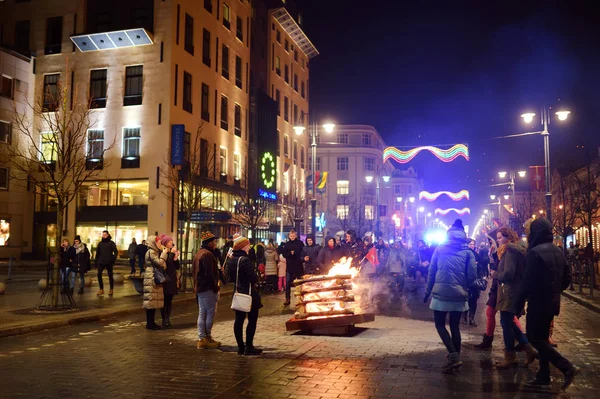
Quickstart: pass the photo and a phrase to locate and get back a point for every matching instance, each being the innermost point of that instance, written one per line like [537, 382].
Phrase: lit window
[343, 187]
[286, 152]
[48, 149]
[295, 153]
[369, 212]
[342, 212]
[226, 16]
[131, 142]
[95, 144]
[51, 94]
[4, 231]
[223, 161]
[236, 166]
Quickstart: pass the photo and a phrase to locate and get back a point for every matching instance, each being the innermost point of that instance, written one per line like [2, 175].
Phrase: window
[6, 88]
[131, 142]
[225, 62]
[302, 63]
[223, 160]
[98, 88]
[342, 163]
[302, 117]
[95, 147]
[237, 120]
[302, 93]
[342, 138]
[296, 83]
[286, 109]
[187, 92]
[208, 5]
[369, 212]
[51, 92]
[278, 101]
[366, 139]
[369, 163]
[205, 113]
[224, 115]
[398, 206]
[48, 147]
[189, 34]
[22, 29]
[397, 189]
[302, 152]
[239, 29]
[53, 35]
[295, 56]
[134, 82]
[3, 186]
[5, 130]
[286, 45]
[226, 16]
[237, 170]
[295, 153]
[286, 73]
[277, 65]
[318, 164]
[286, 140]
[278, 36]
[342, 211]
[206, 47]
[238, 71]
[343, 187]
[295, 114]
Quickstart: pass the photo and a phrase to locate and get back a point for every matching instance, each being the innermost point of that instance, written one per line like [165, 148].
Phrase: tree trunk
[60, 212]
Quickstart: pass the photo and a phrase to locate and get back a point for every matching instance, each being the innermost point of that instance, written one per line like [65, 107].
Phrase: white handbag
[241, 302]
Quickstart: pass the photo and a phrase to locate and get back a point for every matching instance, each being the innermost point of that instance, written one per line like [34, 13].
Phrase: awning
[112, 40]
[296, 33]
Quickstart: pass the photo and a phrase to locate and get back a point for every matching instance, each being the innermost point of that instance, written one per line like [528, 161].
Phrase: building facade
[156, 73]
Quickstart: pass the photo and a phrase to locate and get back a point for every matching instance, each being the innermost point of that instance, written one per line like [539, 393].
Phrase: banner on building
[177, 144]
[537, 178]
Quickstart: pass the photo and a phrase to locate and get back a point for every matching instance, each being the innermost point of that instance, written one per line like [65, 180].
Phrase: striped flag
[321, 185]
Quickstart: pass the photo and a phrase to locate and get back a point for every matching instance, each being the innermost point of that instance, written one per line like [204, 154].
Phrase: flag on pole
[309, 183]
[321, 185]
[537, 178]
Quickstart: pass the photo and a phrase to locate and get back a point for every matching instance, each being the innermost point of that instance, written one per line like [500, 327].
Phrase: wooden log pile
[318, 296]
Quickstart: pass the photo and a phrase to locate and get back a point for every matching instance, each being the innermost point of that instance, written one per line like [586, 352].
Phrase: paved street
[398, 355]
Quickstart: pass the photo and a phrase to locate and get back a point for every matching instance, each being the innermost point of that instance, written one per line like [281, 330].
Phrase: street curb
[87, 318]
[582, 302]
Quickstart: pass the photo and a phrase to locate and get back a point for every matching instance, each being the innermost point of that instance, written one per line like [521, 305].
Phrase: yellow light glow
[329, 127]
[563, 114]
[522, 173]
[528, 117]
[299, 130]
[502, 175]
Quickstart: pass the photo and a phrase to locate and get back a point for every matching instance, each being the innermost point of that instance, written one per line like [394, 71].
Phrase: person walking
[154, 297]
[328, 255]
[81, 262]
[451, 271]
[310, 255]
[292, 252]
[511, 255]
[205, 277]
[170, 287]
[132, 252]
[106, 256]
[547, 274]
[395, 266]
[141, 255]
[271, 258]
[241, 270]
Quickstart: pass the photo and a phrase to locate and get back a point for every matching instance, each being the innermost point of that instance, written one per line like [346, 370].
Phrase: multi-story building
[352, 156]
[155, 72]
[16, 216]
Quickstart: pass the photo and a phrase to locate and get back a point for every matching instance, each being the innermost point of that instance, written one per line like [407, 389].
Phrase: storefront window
[4, 232]
[122, 234]
[113, 192]
[132, 192]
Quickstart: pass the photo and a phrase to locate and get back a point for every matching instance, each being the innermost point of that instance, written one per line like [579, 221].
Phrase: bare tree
[251, 211]
[565, 207]
[297, 208]
[343, 218]
[57, 152]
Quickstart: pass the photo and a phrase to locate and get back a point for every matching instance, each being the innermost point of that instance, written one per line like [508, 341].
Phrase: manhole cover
[36, 311]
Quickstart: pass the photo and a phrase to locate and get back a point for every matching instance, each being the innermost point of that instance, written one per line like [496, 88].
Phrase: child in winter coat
[281, 270]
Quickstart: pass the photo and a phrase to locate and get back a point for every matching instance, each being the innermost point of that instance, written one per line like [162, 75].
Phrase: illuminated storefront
[4, 232]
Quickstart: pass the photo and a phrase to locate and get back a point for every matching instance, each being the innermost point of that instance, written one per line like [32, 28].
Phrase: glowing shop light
[449, 155]
[425, 195]
[461, 212]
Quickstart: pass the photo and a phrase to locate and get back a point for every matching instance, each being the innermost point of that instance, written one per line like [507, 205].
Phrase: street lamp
[314, 134]
[511, 184]
[485, 211]
[377, 178]
[492, 197]
[562, 115]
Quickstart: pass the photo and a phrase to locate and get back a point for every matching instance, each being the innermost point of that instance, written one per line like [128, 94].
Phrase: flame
[343, 267]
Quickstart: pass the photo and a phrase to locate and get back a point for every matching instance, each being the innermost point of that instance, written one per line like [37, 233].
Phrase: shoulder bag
[241, 302]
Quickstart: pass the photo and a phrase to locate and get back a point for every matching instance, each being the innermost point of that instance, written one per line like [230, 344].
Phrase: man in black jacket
[546, 276]
[292, 252]
[106, 256]
[310, 255]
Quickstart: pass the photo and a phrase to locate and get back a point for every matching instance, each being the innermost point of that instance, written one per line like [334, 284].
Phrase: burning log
[312, 279]
[338, 295]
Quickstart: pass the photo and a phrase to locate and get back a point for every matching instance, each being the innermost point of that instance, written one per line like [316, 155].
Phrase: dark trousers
[132, 265]
[289, 277]
[109, 271]
[538, 332]
[141, 264]
[453, 342]
[238, 327]
[473, 298]
[165, 312]
[150, 313]
[510, 331]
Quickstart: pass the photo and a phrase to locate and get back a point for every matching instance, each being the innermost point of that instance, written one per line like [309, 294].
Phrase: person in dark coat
[132, 253]
[81, 261]
[241, 270]
[310, 255]
[170, 288]
[141, 250]
[546, 276]
[328, 255]
[292, 252]
[354, 247]
[106, 256]
[473, 291]
[205, 275]
[67, 254]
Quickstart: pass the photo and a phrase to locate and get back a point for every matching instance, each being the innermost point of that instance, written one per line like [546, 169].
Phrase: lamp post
[377, 178]
[545, 121]
[512, 176]
[313, 136]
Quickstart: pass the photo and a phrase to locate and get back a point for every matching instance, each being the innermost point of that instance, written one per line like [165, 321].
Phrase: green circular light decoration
[268, 171]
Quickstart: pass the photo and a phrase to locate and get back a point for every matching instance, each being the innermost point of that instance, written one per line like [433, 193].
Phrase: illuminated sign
[266, 194]
[463, 194]
[444, 212]
[449, 155]
[177, 144]
[268, 170]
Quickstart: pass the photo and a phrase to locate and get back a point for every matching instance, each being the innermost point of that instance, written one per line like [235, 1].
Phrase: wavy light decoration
[426, 195]
[449, 155]
[444, 212]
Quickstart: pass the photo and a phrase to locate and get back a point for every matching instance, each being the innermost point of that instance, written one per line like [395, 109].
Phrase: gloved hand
[426, 298]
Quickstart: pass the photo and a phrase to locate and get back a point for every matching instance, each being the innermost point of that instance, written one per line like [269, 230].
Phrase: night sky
[443, 72]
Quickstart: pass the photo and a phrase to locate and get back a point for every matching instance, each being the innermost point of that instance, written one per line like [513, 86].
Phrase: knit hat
[206, 237]
[240, 242]
[457, 225]
[164, 239]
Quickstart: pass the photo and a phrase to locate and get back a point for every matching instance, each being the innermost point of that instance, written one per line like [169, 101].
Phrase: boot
[472, 320]
[211, 340]
[252, 351]
[486, 343]
[110, 292]
[100, 292]
[569, 377]
[510, 360]
[201, 344]
[453, 362]
[531, 354]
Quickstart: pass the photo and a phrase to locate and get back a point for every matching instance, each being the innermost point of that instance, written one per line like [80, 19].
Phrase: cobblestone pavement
[399, 355]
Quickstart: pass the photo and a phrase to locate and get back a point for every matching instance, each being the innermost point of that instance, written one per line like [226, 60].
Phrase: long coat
[153, 294]
[271, 258]
[511, 270]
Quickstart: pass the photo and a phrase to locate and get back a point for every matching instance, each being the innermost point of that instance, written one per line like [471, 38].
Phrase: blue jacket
[452, 269]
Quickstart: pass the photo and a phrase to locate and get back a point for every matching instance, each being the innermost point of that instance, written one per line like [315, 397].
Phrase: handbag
[160, 275]
[241, 302]
[480, 283]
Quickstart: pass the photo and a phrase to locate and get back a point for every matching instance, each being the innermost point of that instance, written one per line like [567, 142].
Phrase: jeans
[109, 271]
[452, 343]
[238, 327]
[490, 321]
[289, 277]
[510, 331]
[165, 311]
[141, 264]
[538, 331]
[207, 307]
